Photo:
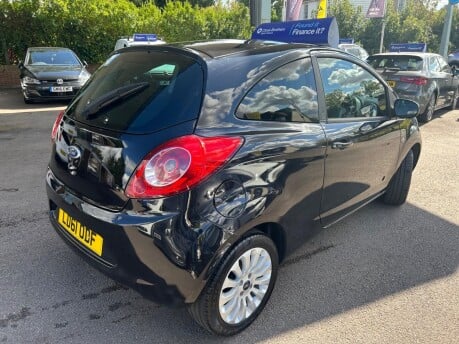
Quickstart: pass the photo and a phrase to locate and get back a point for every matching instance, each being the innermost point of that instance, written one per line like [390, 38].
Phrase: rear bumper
[129, 255]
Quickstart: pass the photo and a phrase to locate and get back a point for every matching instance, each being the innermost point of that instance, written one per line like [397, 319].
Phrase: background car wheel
[430, 109]
[454, 101]
[27, 101]
[239, 289]
[398, 188]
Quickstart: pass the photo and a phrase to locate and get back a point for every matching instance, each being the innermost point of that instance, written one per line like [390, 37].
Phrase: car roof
[348, 45]
[405, 53]
[215, 49]
[47, 48]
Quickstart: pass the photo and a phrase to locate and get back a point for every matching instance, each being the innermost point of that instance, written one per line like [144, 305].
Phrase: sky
[442, 3]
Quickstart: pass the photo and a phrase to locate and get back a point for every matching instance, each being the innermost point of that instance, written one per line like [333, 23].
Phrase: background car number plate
[391, 83]
[61, 89]
[83, 234]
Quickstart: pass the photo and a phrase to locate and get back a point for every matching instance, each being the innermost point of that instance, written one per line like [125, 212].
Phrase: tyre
[240, 287]
[27, 101]
[430, 109]
[398, 188]
[454, 101]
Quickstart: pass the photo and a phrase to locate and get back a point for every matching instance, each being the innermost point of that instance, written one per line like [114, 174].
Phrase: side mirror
[455, 70]
[405, 108]
[20, 65]
[85, 63]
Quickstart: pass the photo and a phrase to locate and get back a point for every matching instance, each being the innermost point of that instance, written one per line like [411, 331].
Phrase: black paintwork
[288, 179]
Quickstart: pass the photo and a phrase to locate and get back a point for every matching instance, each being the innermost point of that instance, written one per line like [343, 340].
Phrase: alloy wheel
[245, 286]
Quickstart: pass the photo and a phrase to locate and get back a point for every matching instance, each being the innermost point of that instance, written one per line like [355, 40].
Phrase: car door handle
[342, 145]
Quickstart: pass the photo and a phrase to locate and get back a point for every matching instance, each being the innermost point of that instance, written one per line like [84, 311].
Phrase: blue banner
[312, 31]
[145, 37]
[454, 2]
[346, 41]
[408, 47]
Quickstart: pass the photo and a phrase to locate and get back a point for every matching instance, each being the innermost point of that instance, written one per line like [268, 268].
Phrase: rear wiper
[113, 97]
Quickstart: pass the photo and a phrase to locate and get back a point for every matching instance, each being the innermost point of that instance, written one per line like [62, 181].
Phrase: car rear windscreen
[141, 91]
[404, 63]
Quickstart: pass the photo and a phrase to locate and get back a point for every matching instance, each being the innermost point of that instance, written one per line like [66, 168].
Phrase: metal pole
[383, 28]
[446, 31]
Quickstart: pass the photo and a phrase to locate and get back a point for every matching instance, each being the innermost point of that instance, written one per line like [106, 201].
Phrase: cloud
[275, 97]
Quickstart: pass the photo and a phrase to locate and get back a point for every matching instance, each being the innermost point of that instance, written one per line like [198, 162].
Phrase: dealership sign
[145, 37]
[312, 31]
[408, 47]
[346, 41]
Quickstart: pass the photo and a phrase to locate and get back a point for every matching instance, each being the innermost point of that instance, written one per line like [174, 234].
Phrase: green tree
[350, 19]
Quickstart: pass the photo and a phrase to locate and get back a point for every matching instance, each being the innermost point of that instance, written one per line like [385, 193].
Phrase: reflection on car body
[205, 177]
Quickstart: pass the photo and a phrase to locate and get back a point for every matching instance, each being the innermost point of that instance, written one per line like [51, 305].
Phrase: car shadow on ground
[12, 102]
[375, 253]
[344, 268]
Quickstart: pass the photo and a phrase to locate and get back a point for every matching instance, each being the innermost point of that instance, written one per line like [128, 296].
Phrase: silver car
[425, 78]
[354, 49]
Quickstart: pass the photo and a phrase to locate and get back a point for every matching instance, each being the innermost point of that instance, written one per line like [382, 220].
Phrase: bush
[91, 28]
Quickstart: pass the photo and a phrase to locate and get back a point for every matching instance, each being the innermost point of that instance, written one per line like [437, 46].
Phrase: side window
[434, 66]
[350, 90]
[287, 94]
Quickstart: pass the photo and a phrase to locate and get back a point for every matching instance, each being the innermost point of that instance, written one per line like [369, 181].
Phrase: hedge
[91, 28]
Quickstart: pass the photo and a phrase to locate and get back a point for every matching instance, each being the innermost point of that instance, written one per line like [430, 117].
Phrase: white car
[354, 49]
[138, 39]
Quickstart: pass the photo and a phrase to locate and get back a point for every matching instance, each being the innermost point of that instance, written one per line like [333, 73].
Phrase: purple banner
[376, 9]
[293, 9]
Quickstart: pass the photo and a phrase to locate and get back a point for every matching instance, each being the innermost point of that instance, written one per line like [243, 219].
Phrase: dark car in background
[425, 78]
[189, 172]
[453, 59]
[51, 73]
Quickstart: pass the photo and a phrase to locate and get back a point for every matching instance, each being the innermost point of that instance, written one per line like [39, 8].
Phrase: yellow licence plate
[391, 83]
[83, 234]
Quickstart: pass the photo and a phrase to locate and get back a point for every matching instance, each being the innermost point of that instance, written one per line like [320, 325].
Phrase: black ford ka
[189, 172]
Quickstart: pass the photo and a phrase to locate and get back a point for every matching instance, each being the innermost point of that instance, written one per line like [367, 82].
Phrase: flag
[293, 9]
[322, 10]
[376, 9]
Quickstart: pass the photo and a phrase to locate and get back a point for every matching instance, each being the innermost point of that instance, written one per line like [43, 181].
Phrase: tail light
[417, 80]
[180, 164]
[56, 125]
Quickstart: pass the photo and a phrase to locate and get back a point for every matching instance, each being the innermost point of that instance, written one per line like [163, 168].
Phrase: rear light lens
[414, 80]
[56, 124]
[180, 164]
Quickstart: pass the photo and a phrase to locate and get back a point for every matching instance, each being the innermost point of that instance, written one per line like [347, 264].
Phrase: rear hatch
[404, 73]
[138, 99]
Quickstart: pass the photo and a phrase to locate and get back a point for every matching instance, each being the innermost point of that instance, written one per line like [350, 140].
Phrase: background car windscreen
[141, 91]
[52, 57]
[405, 63]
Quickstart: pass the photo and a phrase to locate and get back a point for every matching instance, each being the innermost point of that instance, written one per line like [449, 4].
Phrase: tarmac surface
[382, 275]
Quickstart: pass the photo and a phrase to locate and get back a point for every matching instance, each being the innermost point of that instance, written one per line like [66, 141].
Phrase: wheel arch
[277, 234]
[272, 230]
